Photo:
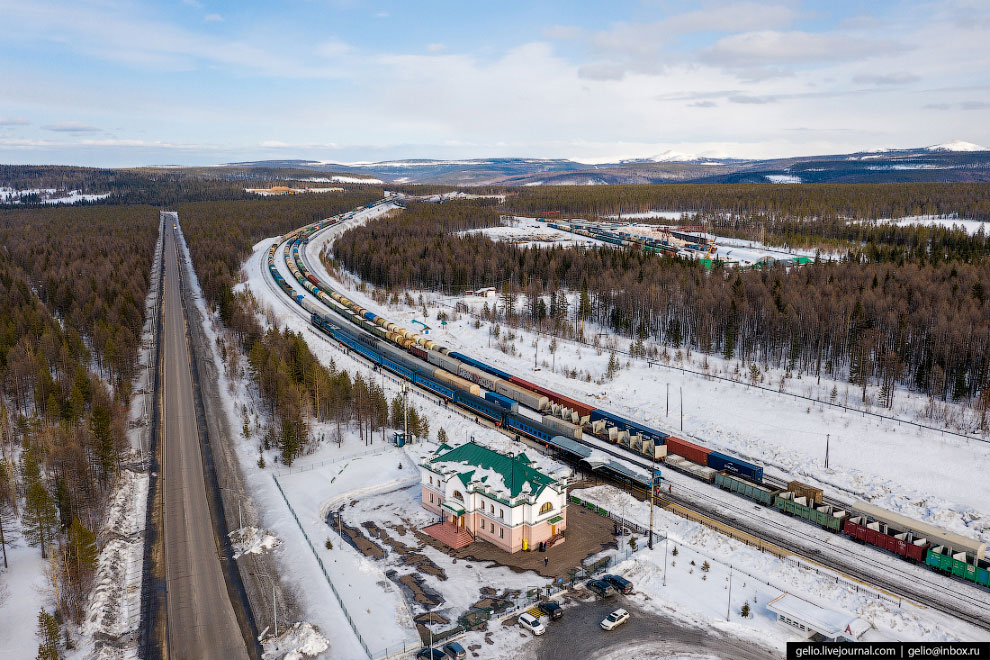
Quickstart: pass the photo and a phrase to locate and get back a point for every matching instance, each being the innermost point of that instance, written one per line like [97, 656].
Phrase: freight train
[459, 378]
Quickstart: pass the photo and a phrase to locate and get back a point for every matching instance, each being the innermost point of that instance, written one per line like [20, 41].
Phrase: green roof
[515, 471]
[556, 519]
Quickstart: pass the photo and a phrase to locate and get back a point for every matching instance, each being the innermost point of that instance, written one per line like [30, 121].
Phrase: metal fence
[377, 654]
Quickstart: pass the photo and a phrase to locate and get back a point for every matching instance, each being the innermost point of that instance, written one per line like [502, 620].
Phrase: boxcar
[503, 401]
[726, 481]
[720, 461]
[456, 381]
[521, 394]
[562, 427]
[688, 450]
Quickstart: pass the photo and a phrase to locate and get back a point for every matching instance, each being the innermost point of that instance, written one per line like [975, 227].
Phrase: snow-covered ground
[49, 196]
[527, 232]
[680, 216]
[868, 457]
[680, 587]
[921, 473]
[782, 178]
[24, 590]
[952, 220]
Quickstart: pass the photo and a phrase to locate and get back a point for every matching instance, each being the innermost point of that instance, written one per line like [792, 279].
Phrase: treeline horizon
[916, 322]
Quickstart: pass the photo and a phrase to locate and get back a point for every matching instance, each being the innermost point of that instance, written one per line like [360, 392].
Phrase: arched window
[546, 507]
[458, 495]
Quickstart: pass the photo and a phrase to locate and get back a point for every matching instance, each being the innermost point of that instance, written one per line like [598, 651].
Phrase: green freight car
[825, 515]
[762, 495]
[941, 558]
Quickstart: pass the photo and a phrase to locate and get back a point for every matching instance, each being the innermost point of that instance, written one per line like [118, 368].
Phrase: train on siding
[460, 378]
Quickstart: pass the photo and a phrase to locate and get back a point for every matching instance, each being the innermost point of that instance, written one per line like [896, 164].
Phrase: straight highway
[200, 619]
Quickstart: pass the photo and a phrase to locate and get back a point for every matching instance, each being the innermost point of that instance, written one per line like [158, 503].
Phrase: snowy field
[757, 578]
[921, 473]
[953, 220]
[785, 433]
[527, 232]
[48, 196]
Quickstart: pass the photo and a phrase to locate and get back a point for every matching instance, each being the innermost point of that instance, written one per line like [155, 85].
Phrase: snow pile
[251, 540]
[956, 145]
[114, 607]
[351, 179]
[782, 178]
[949, 220]
[302, 640]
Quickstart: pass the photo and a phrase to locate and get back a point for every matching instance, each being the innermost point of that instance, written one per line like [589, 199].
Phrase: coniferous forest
[889, 305]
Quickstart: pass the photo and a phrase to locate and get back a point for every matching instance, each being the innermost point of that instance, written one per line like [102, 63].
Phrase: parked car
[531, 623]
[621, 584]
[455, 651]
[616, 618]
[552, 610]
[601, 588]
[431, 654]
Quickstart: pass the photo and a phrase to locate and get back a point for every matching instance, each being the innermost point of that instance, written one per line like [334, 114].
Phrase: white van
[531, 623]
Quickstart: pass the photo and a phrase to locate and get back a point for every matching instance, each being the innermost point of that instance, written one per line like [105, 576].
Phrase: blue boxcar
[633, 428]
[480, 365]
[504, 401]
[733, 465]
[371, 317]
[529, 427]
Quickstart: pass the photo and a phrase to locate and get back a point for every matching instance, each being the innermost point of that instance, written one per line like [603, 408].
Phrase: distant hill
[952, 161]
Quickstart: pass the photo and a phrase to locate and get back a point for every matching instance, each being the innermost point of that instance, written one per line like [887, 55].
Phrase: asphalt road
[578, 635]
[200, 619]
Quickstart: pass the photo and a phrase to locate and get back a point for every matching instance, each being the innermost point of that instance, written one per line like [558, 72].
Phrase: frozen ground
[251, 540]
[334, 476]
[918, 472]
[527, 232]
[49, 196]
[953, 220]
[24, 590]
[757, 578]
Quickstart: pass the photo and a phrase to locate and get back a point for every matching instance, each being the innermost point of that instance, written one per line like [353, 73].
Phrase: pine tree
[706, 566]
[441, 436]
[40, 516]
[745, 611]
[83, 551]
[51, 640]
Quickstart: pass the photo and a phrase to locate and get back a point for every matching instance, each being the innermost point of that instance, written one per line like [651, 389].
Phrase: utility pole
[728, 606]
[828, 436]
[274, 603]
[666, 541]
[405, 412]
[682, 407]
[668, 399]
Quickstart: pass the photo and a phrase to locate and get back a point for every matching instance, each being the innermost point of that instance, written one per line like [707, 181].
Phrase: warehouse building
[482, 494]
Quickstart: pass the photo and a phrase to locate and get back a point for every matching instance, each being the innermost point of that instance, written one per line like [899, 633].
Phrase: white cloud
[563, 32]
[435, 48]
[213, 18]
[13, 121]
[900, 78]
[333, 48]
[71, 127]
[775, 49]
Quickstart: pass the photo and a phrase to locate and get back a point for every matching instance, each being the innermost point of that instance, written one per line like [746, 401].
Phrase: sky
[199, 82]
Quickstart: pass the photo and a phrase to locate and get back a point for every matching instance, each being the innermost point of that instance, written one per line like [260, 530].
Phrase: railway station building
[481, 494]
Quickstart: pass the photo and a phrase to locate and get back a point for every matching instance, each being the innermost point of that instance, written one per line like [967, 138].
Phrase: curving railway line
[454, 378]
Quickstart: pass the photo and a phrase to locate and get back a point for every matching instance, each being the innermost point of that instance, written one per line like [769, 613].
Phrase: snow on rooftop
[832, 623]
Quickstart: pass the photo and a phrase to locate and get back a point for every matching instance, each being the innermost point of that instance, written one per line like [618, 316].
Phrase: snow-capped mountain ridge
[956, 145]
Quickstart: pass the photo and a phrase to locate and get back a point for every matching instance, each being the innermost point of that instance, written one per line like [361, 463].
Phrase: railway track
[920, 588]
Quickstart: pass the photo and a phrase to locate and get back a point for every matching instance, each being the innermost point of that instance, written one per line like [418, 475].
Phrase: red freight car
[688, 450]
[883, 536]
[582, 409]
[418, 352]
[312, 279]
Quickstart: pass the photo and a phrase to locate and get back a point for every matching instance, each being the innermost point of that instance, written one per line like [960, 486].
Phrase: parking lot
[645, 635]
